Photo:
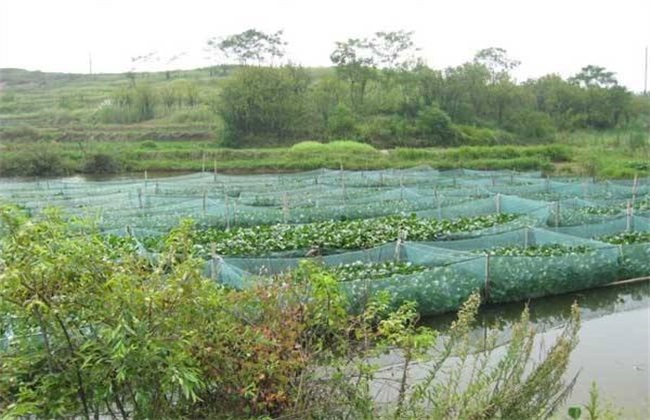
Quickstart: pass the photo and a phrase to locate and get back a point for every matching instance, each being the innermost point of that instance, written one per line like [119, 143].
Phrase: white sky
[547, 36]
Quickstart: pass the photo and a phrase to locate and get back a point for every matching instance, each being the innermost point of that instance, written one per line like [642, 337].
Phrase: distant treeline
[379, 92]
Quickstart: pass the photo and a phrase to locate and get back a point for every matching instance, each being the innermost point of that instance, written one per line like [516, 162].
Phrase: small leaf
[575, 412]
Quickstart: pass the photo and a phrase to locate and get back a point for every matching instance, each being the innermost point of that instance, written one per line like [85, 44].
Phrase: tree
[394, 50]
[251, 46]
[264, 103]
[497, 62]
[465, 92]
[355, 63]
[594, 76]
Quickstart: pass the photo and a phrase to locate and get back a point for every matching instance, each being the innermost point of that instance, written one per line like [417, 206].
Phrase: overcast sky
[547, 36]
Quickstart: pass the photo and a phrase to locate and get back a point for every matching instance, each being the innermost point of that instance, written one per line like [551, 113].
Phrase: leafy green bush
[40, 160]
[97, 331]
[341, 122]
[101, 163]
[435, 126]
[531, 125]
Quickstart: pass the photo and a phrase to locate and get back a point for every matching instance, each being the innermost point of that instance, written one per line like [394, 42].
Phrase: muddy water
[613, 350]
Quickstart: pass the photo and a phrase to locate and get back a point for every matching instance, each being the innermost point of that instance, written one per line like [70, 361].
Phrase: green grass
[586, 156]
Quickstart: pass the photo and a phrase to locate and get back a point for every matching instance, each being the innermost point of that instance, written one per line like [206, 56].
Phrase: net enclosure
[566, 234]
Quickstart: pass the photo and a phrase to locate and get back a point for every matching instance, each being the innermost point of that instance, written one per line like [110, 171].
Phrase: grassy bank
[613, 155]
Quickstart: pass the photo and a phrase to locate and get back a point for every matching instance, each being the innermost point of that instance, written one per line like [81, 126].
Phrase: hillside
[190, 120]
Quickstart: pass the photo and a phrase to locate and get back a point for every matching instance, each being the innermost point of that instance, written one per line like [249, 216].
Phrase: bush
[435, 126]
[341, 123]
[101, 163]
[98, 329]
[531, 125]
[42, 160]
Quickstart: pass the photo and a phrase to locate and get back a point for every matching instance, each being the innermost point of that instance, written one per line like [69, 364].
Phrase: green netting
[634, 260]
[572, 211]
[436, 290]
[226, 201]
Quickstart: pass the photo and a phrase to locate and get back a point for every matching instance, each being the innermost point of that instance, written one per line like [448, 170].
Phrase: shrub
[435, 126]
[43, 160]
[101, 163]
[98, 329]
[341, 122]
[531, 125]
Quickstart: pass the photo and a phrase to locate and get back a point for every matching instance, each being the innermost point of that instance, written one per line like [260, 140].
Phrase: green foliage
[481, 136]
[549, 250]
[101, 163]
[626, 238]
[99, 331]
[369, 271]
[531, 125]
[341, 122]
[353, 234]
[129, 105]
[435, 125]
[41, 159]
[251, 46]
[264, 104]
[594, 408]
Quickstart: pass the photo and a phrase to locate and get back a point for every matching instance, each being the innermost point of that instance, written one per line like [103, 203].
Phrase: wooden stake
[213, 261]
[285, 207]
[487, 277]
[526, 237]
[628, 225]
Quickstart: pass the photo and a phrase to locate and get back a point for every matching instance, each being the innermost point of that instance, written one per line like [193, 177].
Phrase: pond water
[614, 348]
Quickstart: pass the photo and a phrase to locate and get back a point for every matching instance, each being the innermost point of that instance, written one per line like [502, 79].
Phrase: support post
[629, 214]
[487, 277]
[213, 261]
[285, 207]
[225, 199]
[526, 233]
